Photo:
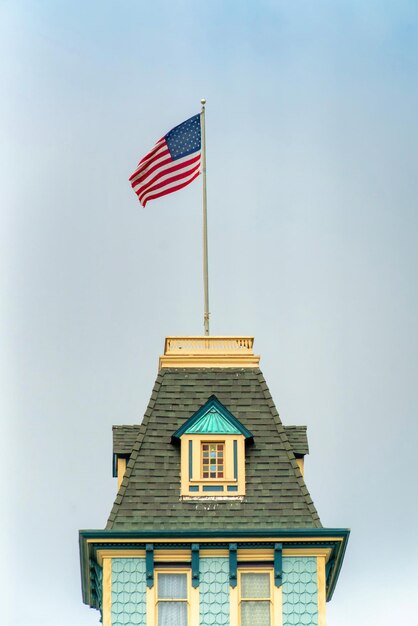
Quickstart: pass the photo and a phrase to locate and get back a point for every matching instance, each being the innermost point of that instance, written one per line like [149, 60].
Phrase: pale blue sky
[313, 214]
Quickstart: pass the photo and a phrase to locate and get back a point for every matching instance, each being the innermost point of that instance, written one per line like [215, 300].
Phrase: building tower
[213, 524]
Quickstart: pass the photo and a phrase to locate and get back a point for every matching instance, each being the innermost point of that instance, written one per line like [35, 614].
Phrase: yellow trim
[175, 556]
[182, 555]
[104, 554]
[277, 605]
[277, 539]
[301, 464]
[324, 552]
[209, 360]
[208, 553]
[322, 592]
[194, 606]
[150, 606]
[107, 592]
[233, 606]
[267, 554]
[121, 469]
[213, 351]
[196, 480]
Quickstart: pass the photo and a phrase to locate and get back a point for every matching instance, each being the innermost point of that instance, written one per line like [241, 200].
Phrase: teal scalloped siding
[214, 592]
[300, 591]
[128, 592]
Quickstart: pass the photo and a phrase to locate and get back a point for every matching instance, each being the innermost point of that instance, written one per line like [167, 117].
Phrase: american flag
[172, 163]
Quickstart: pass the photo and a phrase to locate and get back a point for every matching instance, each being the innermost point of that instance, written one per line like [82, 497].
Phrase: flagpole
[205, 222]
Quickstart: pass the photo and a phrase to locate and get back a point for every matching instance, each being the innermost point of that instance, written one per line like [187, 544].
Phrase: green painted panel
[300, 591]
[128, 592]
[214, 591]
[213, 423]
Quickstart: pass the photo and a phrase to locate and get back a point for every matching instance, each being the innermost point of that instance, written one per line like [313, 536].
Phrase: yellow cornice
[212, 351]
[239, 539]
[182, 555]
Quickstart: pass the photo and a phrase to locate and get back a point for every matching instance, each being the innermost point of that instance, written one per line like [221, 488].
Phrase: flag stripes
[171, 164]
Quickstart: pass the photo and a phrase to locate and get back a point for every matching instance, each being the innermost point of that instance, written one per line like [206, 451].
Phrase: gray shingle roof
[298, 439]
[149, 497]
[124, 438]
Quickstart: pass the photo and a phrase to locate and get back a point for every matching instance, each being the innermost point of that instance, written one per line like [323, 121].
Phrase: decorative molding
[233, 564]
[278, 564]
[215, 351]
[149, 564]
[195, 565]
[96, 545]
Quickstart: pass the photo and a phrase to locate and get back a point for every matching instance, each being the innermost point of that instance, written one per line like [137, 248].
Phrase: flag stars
[185, 138]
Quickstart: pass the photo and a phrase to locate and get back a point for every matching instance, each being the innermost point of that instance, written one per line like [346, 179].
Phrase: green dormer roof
[212, 418]
[213, 423]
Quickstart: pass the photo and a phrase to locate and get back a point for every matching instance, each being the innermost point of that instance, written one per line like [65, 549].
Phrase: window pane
[255, 585]
[172, 614]
[212, 458]
[255, 613]
[172, 586]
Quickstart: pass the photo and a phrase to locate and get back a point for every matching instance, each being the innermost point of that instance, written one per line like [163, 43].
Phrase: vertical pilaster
[321, 582]
[107, 591]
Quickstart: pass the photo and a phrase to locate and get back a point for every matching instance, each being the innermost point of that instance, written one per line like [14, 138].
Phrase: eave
[93, 540]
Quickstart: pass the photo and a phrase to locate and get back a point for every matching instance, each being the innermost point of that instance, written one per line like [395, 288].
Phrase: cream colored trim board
[322, 592]
[107, 592]
[301, 465]
[179, 556]
[233, 606]
[267, 539]
[277, 605]
[121, 470]
[119, 554]
[209, 360]
[209, 351]
[150, 606]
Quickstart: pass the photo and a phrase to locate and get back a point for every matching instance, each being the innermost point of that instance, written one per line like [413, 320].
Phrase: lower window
[172, 599]
[255, 598]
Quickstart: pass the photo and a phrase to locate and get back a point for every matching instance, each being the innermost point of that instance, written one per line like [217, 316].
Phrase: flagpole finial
[203, 101]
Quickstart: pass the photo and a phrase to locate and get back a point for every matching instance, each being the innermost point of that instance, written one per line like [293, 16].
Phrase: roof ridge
[135, 450]
[284, 438]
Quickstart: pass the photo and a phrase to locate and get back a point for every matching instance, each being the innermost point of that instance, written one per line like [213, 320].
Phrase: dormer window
[212, 448]
[213, 459]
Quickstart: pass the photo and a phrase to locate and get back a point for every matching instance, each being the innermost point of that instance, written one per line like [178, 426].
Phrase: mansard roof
[149, 496]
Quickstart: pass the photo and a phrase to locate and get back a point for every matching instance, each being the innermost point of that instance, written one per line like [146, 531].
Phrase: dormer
[123, 441]
[212, 448]
[298, 441]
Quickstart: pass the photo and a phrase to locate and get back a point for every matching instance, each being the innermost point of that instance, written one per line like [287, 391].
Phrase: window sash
[212, 460]
[247, 605]
[171, 610]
